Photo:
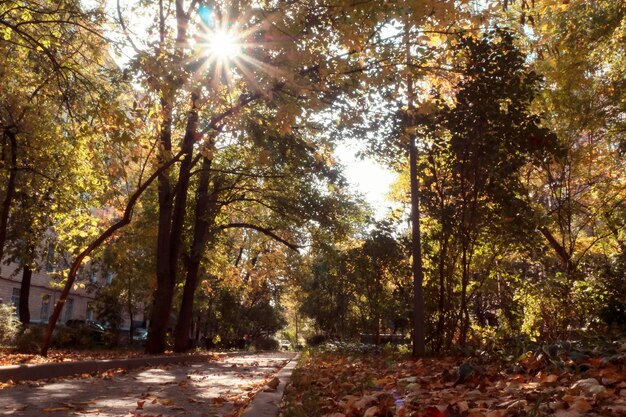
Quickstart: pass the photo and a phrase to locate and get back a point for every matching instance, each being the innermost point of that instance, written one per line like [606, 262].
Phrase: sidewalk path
[218, 388]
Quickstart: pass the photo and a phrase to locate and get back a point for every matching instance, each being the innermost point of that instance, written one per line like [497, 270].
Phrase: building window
[45, 308]
[15, 298]
[69, 308]
[93, 276]
[109, 277]
[89, 315]
[50, 258]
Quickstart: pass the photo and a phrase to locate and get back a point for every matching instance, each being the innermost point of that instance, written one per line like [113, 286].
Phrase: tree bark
[443, 253]
[419, 338]
[171, 239]
[463, 310]
[202, 223]
[10, 191]
[558, 249]
[162, 298]
[24, 311]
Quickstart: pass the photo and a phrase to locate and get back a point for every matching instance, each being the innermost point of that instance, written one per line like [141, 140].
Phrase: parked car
[285, 345]
[140, 334]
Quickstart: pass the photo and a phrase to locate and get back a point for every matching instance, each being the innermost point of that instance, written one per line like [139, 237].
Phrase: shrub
[316, 340]
[9, 324]
[29, 338]
[74, 338]
[265, 343]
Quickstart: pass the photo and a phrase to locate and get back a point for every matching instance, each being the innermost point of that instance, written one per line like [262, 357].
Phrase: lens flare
[224, 45]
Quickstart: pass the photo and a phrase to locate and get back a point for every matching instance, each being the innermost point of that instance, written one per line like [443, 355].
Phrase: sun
[227, 49]
[224, 46]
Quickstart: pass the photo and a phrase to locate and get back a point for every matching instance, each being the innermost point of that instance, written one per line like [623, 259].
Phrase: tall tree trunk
[419, 342]
[163, 293]
[297, 341]
[463, 312]
[10, 190]
[130, 307]
[203, 220]
[24, 311]
[443, 253]
[170, 234]
[419, 338]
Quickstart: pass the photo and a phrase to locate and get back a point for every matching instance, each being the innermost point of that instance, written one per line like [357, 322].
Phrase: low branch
[110, 231]
[263, 230]
[558, 249]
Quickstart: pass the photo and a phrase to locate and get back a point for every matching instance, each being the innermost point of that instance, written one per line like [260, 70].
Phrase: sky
[367, 177]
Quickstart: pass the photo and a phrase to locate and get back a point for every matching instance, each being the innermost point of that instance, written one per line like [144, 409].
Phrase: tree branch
[263, 230]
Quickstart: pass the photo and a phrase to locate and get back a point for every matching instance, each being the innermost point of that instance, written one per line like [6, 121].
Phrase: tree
[482, 138]
[51, 115]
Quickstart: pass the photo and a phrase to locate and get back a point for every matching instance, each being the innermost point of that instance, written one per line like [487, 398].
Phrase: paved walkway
[218, 388]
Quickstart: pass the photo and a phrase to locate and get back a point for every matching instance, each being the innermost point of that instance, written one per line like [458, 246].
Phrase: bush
[265, 343]
[74, 338]
[29, 338]
[316, 340]
[9, 324]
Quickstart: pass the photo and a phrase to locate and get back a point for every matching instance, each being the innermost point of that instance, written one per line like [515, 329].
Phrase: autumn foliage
[563, 381]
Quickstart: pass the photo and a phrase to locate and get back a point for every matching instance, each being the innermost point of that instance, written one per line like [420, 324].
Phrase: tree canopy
[188, 149]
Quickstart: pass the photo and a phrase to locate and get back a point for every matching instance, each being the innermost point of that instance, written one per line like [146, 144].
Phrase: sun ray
[226, 48]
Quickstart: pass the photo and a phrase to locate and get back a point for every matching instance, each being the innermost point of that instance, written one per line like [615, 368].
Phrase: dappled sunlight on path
[218, 388]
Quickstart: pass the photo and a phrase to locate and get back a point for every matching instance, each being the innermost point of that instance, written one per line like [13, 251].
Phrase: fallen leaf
[273, 383]
[433, 412]
[462, 406]
[549, 379]
[371, 412]
[364, 402]
[580, 405]
[589, 386]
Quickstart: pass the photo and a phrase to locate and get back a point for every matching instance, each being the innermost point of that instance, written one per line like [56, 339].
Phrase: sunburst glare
[224, 45]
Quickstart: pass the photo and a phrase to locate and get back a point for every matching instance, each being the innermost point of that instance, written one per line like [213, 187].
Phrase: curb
[54, 370]
[266, 403]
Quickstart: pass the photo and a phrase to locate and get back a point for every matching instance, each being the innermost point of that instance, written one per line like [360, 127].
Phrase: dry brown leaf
[364, 402]
[371, 412]
[566, 413]
[589, 386]
[273, 383]
[167, 401]
[462, 406]
[580, 405]
[549, 379]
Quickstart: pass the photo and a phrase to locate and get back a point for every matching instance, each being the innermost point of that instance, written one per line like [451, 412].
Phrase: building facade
[45, 292]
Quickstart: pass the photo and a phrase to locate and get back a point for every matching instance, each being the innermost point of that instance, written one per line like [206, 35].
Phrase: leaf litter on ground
[557, 382]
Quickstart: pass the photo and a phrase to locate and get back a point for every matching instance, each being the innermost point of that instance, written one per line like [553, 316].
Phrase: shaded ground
[216, 388]
[561, 384]
[57, 356]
